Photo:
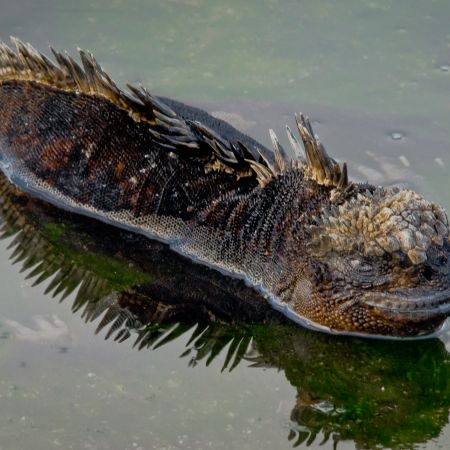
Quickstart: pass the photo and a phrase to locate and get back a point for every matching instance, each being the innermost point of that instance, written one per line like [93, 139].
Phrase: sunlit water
[374, 76]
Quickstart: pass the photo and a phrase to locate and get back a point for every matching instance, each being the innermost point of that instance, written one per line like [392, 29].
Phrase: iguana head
[381, 264]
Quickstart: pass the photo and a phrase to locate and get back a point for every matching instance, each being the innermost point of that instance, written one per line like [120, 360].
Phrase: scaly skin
[344, 257]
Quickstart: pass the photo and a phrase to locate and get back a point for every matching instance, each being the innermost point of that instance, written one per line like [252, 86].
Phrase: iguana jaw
[411, 314]
[386, 296]
[406, 306]
[399, 323]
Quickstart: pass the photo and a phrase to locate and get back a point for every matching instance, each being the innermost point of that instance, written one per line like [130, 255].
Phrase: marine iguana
[330, 254]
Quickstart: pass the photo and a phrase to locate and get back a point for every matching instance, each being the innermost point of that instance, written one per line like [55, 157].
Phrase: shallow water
[374, 76]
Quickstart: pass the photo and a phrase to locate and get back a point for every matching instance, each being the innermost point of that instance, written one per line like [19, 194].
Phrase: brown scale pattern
[98, 155]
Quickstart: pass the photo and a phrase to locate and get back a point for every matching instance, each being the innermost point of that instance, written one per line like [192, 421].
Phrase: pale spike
[296, 147]
[278, 151]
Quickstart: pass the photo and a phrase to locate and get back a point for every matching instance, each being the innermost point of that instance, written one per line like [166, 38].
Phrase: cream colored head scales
[385, 221]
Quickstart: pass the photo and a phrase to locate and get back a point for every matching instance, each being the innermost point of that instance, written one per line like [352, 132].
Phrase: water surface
[374, 77]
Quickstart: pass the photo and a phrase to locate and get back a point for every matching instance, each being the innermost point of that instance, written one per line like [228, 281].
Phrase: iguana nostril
[428, 273]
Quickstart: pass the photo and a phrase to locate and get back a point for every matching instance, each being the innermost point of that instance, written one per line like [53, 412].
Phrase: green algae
[389, 394]
[118, 274]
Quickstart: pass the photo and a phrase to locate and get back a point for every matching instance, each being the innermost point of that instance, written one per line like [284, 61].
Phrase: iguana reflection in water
[375, 393]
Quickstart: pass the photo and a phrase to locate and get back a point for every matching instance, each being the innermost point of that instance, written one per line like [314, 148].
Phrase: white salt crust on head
[385, 221]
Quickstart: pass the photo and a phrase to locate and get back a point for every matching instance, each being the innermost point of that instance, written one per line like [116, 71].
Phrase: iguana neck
[260, 233]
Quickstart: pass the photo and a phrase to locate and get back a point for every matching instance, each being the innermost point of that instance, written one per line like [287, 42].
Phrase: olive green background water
[375, 78]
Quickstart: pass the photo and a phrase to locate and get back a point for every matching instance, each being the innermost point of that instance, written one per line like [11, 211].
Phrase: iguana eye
[360, 266]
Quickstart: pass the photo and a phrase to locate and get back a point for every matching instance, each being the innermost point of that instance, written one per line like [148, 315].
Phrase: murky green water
[375, 77]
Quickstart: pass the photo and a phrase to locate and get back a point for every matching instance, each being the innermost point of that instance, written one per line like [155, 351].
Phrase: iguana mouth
[411, 303]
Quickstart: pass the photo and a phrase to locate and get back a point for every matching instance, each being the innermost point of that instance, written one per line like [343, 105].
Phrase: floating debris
[439, 162]
[397, 136]
[404, 160]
